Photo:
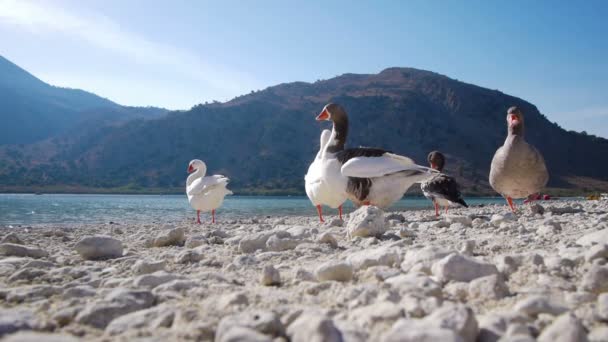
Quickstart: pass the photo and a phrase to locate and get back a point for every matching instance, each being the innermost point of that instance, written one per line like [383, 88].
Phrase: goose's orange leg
[340, 211]
[510, 201]
[320, 211]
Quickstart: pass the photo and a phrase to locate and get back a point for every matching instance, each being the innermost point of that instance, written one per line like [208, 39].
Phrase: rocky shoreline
[477, 274]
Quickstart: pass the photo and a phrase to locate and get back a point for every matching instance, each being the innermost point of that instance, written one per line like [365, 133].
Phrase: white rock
[599, 251]
[189, 256]
[27, 274]
[270, 276]
[195, 241]
[79, 292]
[383, 311]
[489, 287]
[32, 293]
[596, 279]
[253, 242]
[334, 270]
[153, 318]
[117, 303]
[99, 247]
[537, 304]
[11, 249]
[313, 328]
[407, 330]
[13, 320]
[262, 322]
[425, 257]
[599, 334]
[277, 244]
[467, 247]
[413, 282]
[459, 267]
[566, 328]
[152, 280]
[464, 220]
[30, 336]
[328, 238]
[458, 318]
[597, 237]
[602, 306]
[11, 238]
[148, 266]
[366, 221]
[233, 299]
[177, 285]
[381, 256]
[168, 237]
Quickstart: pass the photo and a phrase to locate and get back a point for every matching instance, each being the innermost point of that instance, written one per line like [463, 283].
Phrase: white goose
[205, 193]
[368, 176]
[316, 188]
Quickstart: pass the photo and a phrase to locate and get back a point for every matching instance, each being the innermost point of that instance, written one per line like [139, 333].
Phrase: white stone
[537, 304]
[278, 244]
[458, 318]
[334, 270]
[15, 319]
[566, 328]
[425, 257]
[169, 236]
[148, 266]
[381, 256]
[602, 306]
[328, 238]
[599, 251]
[99, 247]
[313, 328]
[253, 242]
[597, 237]
[459, 267]
[30, 336]
[596, 279]
[464, 220]
[270, 276]
[383, 311]
[366, 221]
[11, 238]
[152, 280]
[11, 249]
[408, 330]
[487, 288]
[266, 323]
[152, 318]
[413, 282]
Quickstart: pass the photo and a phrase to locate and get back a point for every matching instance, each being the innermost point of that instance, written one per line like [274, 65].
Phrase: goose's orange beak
[323, 116]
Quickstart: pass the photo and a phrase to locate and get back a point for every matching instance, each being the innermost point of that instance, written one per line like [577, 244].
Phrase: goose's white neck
[199, 173]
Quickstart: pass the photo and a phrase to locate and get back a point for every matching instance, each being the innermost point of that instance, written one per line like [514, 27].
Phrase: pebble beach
[474, 274]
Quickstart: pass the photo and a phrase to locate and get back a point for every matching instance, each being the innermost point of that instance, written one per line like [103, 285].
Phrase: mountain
[265, 140]
[31, 110]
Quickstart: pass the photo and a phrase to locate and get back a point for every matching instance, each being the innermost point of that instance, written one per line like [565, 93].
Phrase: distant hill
[31, 110]
[265, 140]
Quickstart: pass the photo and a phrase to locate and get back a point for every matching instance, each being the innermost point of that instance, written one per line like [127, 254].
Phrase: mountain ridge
[264, 140]
[33, 110]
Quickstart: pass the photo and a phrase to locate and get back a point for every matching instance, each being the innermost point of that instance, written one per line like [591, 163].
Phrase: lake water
[29, 209]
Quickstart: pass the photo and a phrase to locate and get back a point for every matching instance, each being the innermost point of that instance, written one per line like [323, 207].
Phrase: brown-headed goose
[367, 176]
[441, 189]
[205, 193]
[518, 170]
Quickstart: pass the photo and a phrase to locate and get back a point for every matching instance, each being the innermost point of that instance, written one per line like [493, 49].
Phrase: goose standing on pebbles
[441, 189]
[316, 187]
[368, 176]
[205, 193]
[518, 170]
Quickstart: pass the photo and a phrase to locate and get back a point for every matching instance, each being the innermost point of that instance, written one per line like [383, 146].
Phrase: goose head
[195, 165]
[337, 115]
[333, 112]
[515, 121]
[436, 160]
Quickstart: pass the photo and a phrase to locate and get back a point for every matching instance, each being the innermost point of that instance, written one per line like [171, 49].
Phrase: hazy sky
[176, 54]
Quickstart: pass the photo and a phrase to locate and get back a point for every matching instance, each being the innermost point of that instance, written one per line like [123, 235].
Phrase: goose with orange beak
[205, 193]
[518, 169]
[366, 176]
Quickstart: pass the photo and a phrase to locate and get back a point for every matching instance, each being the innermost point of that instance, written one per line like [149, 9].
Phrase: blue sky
[176, 54]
